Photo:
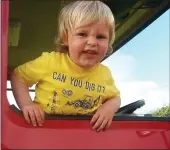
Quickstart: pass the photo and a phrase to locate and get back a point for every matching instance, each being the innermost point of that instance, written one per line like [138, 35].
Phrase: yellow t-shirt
[62, 87]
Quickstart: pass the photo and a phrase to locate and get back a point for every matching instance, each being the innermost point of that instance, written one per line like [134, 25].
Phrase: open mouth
[90, 52]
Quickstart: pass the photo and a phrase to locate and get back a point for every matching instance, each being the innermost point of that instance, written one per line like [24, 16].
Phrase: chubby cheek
[74, 49]
[76, 45]
[75, 54]
[103, 50]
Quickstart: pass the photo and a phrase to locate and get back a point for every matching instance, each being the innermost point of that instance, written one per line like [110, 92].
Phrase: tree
[162, 112]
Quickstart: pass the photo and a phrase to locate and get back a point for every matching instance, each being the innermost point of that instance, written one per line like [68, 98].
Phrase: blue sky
[141, 67]
[151, 50]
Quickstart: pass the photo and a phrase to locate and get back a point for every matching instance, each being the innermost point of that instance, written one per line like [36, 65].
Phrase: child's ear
[65, 40]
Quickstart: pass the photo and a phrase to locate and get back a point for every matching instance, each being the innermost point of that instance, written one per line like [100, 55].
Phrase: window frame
[4, 66]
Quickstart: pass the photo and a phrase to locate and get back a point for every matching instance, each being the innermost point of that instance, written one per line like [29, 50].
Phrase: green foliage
[164, 111]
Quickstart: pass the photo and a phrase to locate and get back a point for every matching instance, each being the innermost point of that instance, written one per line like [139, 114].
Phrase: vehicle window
[141, 67]
[11, 98]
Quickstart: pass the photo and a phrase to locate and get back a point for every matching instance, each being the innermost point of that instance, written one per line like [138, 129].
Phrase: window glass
[141, 67]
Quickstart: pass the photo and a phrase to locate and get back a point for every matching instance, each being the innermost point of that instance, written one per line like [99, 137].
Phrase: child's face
[88, 44]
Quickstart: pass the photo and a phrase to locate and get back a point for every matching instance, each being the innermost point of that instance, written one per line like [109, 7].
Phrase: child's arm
[102, 119]
[23, 77]
[20, 91]
[32, 112]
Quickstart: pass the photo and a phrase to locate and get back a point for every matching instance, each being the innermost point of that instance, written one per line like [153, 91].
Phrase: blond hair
[83, 12]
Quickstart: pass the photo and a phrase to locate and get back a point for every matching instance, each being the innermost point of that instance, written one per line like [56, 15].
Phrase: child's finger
[38, 117]
[103, 125]
[26, 116]
[108, 124]
[42, 115]
[32, 117]
[94, 118]
[97, 123]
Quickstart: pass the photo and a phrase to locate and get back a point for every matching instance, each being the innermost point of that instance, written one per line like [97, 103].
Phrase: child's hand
[33, 113]
[102, 119]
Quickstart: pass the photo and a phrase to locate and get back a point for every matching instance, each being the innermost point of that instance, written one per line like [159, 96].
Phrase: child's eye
[101, 37]
[82, 34]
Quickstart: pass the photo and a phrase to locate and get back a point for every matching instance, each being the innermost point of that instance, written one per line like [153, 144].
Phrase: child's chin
[88, 65]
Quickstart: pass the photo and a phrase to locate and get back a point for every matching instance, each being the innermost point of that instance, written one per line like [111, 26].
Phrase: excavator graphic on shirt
[87, 103]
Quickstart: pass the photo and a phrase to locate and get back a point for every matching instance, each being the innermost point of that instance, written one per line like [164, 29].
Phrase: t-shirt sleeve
[112, 90]
[33, 71]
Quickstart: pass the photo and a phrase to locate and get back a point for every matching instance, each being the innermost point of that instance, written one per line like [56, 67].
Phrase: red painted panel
[78, 134]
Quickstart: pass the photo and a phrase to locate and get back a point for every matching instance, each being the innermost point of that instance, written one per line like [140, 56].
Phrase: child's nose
[92, 41]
